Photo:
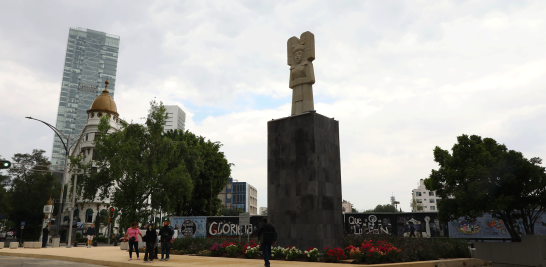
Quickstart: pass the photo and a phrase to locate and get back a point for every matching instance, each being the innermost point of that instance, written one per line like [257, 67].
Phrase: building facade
[426, 200]
[263, 211]
[91, 58]
[239, 195]
[177, 118]
[87, 209]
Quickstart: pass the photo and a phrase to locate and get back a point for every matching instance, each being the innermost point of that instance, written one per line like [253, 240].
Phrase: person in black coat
[150, 238]
[165, 234]
[45, 236]
[268, 237]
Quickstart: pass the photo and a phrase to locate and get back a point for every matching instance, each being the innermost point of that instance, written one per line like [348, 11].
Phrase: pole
[72, 211]
[59, 212]
[210, 212]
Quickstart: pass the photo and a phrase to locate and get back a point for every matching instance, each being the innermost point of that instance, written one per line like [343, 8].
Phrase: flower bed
[357, 249]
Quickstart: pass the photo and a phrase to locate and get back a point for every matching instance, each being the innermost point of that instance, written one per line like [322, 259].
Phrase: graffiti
[425, 225]
[483, 227]
[368, 224]
[228, 226]
[190, 226]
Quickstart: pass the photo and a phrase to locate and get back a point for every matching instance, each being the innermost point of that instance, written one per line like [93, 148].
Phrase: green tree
[385, 208]
[209, 170]
[4, 194]
[137, 167]
[230, 212]
[29, 191]
[415, 206]
[484, 176]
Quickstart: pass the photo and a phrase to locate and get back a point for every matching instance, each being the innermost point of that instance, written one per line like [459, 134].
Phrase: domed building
[87, 209]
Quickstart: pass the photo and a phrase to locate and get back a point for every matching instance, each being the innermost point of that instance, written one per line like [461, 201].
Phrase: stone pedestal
[1, 245]
[304, 181]
[124, 245]
[55, 242]
[13, 245]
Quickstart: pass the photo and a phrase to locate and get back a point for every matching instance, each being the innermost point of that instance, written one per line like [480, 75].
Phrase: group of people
[266, 234]
[152, 238]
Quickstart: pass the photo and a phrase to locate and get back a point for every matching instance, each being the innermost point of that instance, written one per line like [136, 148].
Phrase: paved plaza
[7, 261]
[113, 256]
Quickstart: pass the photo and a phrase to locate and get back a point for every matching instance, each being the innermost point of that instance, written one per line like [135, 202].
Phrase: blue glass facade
[91, 58]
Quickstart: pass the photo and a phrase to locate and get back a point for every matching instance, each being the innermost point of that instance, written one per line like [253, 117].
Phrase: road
[6, 261]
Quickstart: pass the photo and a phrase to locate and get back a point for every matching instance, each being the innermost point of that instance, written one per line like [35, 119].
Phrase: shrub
[416, 249]
[217, 250]
[292, 253]
[333, 254]
[232, 250]
[277, 252]
[192, 245]
[312, 254]
[205, 252]
[251, 250]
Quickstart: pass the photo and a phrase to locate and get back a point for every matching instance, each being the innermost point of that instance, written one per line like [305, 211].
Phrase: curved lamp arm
[57, 132]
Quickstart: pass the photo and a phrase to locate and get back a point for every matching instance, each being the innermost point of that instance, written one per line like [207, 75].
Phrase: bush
[78, 235]
[217, 250]
[292, 253]
[232, 250]
[312, 254]
[277, 252]
[192, 245]
[81, 240]
[333, 254]
[415, 249]
[101, 239]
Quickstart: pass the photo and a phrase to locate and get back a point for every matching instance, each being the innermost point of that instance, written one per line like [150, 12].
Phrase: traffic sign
[22, 227]
[23, 223]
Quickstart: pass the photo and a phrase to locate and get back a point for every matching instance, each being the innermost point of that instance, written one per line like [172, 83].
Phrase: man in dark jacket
[165, 236]
[268, 237]
[151, 239]
[90, 235]
[45, 236]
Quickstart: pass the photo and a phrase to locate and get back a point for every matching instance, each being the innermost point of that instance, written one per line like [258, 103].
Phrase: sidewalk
[113, 256]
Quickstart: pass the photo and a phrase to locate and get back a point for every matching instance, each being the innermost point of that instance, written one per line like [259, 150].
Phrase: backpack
[165, 235]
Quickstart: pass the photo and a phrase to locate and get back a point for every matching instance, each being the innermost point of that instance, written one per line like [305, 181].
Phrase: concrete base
[124, 245]
[55, 242]
[304, 181]
[1, 245]
[13, 245]
[531, 251]
[27, 244]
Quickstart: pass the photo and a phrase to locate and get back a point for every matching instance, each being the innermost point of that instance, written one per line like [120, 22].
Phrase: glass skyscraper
[91, 58]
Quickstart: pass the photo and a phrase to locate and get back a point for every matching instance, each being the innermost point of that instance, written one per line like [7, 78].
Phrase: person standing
[45, 236]
[268, 237]
[90, 235]
[165, 235]
[412, 229]
[151, 239]
[133, 234]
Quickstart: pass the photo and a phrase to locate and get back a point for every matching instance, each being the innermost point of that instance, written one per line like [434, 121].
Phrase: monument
[303, 162]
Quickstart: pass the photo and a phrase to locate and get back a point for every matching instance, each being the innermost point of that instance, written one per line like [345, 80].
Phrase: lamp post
[66, 147]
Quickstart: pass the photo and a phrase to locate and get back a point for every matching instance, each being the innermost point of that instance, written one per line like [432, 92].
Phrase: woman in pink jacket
[133, 234]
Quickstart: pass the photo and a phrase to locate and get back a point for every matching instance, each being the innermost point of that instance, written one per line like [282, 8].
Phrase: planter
[1, 245]
[13, 245]
[124, 246]
[531, 251]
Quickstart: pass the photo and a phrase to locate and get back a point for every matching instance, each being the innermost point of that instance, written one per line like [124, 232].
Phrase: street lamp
[67, 150]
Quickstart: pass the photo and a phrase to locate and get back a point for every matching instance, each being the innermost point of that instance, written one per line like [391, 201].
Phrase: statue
[301, 53]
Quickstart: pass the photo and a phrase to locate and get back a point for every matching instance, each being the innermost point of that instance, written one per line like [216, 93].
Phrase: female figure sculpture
[301, 53]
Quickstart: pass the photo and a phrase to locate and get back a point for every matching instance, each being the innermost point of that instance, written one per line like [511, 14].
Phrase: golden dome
[104, 102]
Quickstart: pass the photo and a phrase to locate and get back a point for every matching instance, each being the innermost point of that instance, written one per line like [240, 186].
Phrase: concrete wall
[531, 251]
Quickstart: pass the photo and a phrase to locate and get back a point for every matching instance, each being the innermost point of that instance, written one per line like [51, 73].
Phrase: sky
[401, 77]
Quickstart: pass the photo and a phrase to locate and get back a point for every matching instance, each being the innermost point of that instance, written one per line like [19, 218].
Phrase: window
[418, 194]
[431, 200]
[432, 208]
[419, 201]
[431, 194]
[89, 215]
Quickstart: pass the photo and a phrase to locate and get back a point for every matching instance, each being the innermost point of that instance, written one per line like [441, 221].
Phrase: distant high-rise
[91, 57]
[177, 118]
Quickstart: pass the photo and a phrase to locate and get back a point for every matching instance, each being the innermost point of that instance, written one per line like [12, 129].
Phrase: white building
[346, 206]
[177, 118]
[425, 198]
[263, 211]
[87, 210]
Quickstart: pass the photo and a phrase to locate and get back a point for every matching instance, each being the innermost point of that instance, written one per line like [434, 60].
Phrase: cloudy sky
[400, 76]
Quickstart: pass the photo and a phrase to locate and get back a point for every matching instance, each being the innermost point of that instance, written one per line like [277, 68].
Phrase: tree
[415, 206]
[4, 194]
[484, 176]
[209, 170]
[137, 167]
[29, 191]
[385, 208]
[230, 212]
